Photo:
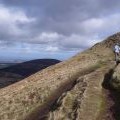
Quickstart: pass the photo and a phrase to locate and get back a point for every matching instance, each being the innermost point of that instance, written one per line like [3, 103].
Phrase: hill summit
[75, 89]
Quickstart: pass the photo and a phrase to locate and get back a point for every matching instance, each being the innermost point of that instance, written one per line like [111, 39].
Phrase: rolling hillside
[76, 89]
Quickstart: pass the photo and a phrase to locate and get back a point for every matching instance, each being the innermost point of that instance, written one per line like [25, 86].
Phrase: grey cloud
[83, 18]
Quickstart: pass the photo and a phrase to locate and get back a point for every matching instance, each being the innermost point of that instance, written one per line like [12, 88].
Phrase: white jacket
[117, 49]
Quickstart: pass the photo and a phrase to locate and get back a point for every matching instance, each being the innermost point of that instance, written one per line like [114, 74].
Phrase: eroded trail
[112, 95]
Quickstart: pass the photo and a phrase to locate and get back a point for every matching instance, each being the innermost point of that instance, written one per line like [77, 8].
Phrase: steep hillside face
[70, 90]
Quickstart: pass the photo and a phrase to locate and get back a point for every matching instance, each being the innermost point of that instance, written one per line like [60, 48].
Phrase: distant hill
[17, 72]
[25, 69]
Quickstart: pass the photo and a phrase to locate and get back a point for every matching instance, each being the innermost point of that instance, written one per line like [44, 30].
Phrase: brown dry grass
[34, 93]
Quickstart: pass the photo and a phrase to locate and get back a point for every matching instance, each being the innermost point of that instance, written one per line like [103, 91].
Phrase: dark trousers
[117, 55]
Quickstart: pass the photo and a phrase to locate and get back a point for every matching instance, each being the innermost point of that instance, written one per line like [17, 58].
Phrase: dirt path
[107, 113]
[112, 103]
[112, 99]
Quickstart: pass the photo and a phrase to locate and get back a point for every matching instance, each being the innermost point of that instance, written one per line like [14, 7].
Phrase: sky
[32, 29]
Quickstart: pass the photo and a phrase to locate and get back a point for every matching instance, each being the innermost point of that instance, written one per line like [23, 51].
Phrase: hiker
[117, 51]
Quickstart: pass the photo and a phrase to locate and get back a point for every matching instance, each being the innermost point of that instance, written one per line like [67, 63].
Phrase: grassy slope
[40, 90]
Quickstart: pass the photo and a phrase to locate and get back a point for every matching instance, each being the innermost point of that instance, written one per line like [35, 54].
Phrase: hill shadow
[17, 72]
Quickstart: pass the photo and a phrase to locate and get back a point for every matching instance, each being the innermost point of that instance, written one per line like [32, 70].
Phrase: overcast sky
[58, 29]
